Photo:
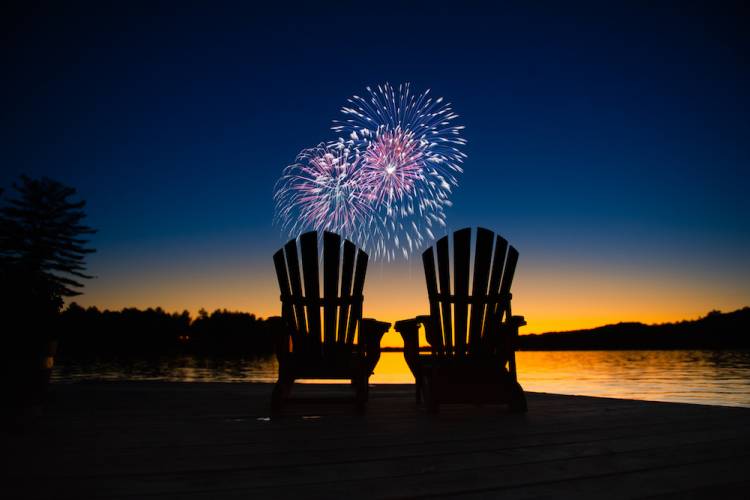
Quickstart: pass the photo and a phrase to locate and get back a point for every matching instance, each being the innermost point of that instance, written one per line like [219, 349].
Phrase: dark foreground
[214, 441]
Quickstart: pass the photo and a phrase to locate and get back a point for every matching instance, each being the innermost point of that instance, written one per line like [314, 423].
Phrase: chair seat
[334, 364]
[465, 369]
[468, 379]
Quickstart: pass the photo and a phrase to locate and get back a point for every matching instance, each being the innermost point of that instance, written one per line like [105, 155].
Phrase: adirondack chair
[301, 351]
[472, 336]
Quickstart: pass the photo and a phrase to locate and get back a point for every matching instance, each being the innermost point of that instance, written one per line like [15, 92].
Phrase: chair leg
[280, 394]
[361, 387]
[430, 395]
[518, 400]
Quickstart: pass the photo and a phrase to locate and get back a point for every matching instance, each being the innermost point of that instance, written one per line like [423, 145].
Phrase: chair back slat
[309, 249]
[444, 275]
[347, 272]
[482, 256]
[470, 322]
[287, 310]
[331, 262]
[461, 261]
[510, 270]
[292, 265]
[359, 284]
[498, 264]
[281, 275]
[428, 261]
[343, 280]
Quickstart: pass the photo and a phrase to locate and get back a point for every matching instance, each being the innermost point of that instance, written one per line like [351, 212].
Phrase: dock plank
[182, 440]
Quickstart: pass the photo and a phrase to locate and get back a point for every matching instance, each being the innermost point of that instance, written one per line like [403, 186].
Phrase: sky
[609, 142]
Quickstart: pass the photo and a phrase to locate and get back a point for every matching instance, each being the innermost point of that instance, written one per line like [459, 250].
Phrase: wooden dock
[215, 441]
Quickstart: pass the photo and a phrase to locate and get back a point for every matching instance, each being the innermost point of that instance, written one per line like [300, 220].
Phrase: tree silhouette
[132, 333]
[42, 247]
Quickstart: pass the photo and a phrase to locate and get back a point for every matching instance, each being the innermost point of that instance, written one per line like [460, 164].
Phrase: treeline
[717, 330]
[154, 332]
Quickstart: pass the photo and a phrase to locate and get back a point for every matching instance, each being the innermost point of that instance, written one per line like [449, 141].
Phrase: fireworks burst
[322, 191]
[386, 182]
[392, 165]
[419, 118]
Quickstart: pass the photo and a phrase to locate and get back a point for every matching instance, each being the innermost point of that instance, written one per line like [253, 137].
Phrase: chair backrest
[342, 298]
[464, 323]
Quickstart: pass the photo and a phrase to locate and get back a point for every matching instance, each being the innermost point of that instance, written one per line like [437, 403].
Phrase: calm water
[705, 377]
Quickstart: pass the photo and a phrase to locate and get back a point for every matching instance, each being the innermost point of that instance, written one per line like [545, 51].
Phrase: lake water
[704, 377]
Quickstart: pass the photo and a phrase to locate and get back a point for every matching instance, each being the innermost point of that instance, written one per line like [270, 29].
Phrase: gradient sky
[610, 145]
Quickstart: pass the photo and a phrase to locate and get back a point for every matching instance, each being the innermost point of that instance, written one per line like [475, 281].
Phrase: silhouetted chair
[472, 335]
[301, 351]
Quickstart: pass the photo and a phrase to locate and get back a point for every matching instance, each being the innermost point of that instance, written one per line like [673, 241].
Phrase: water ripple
[704, 377]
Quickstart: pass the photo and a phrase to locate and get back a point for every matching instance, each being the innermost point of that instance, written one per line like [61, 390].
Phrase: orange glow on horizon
[551, 299]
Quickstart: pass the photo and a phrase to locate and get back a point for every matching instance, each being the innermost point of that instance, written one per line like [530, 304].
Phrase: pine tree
[42, 246]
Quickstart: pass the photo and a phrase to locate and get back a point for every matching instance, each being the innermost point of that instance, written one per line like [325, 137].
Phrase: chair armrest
[517, 321]
[409, 330]
[511, 325]
[371, 334]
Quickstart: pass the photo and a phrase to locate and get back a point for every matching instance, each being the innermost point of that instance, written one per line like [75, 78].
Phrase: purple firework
[412, 159]
[323, 190]
[385, 184]
[392, 165]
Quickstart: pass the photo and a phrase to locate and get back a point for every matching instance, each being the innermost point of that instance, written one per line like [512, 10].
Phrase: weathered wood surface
[214, 441]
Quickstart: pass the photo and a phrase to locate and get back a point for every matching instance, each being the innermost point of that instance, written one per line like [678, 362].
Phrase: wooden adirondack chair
[301, 351]
[472, 335]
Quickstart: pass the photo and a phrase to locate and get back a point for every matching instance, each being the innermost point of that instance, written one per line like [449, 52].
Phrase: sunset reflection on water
[704, 377]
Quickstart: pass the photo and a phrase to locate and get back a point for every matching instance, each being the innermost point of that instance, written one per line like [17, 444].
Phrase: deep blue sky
[601, 138]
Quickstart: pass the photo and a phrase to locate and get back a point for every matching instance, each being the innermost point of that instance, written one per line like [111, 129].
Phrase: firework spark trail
[392, 165]
[411, 158]
[386, 183]
[322, 191]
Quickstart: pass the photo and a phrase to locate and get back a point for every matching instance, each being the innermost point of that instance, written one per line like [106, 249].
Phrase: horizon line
[193, 317]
